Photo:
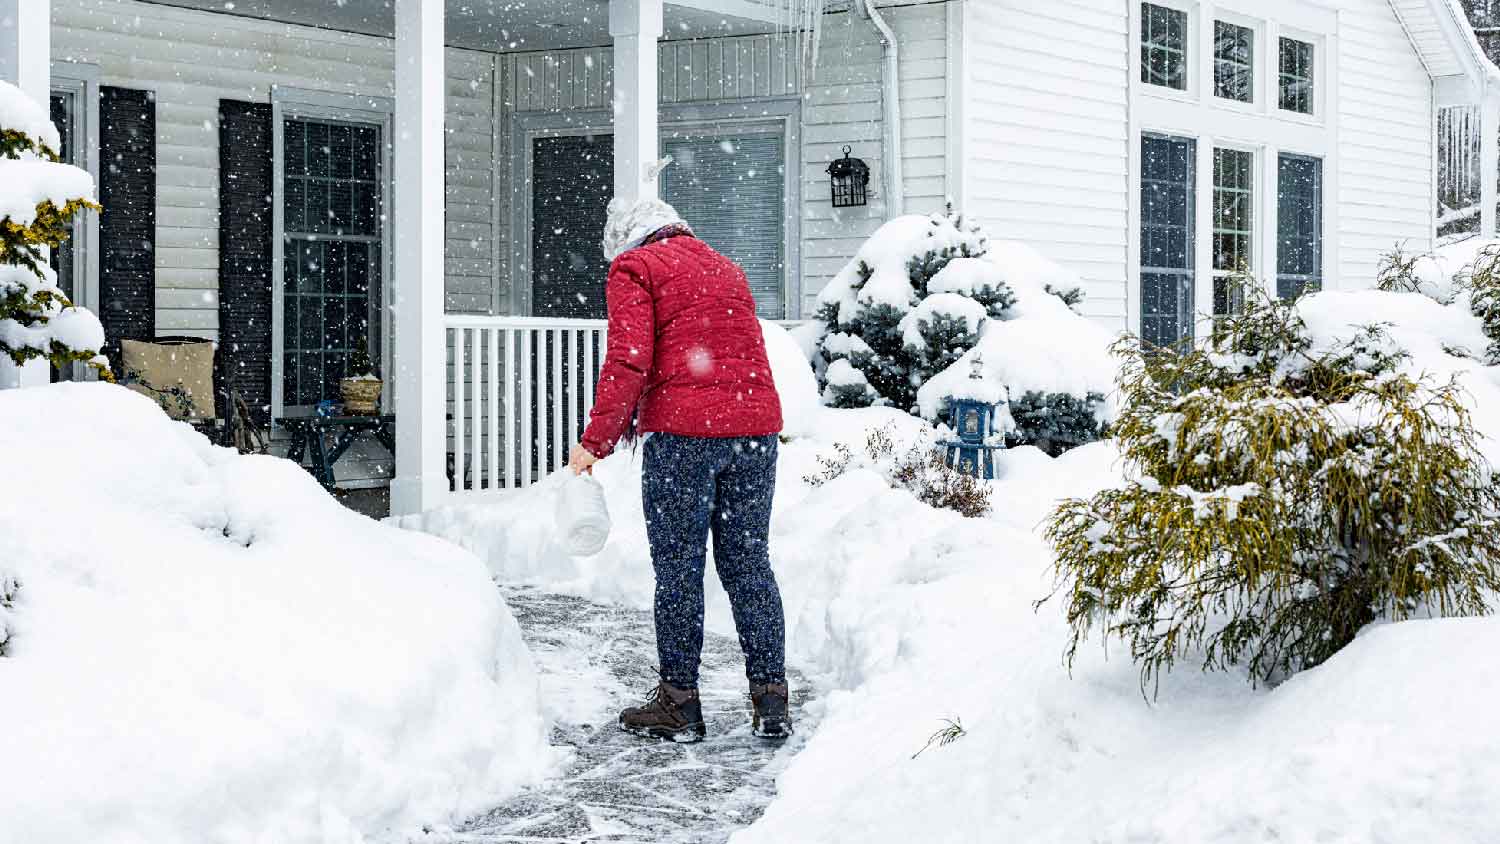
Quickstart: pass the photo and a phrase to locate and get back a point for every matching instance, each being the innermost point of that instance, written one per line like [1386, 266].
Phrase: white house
[294, 177]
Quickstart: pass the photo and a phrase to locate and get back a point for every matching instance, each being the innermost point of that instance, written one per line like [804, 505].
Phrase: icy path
[595, 660]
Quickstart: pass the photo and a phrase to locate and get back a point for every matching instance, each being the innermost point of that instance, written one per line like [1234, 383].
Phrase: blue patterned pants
[691, 487]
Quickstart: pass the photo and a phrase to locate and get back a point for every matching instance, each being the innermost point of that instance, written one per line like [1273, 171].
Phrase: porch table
[310, 432]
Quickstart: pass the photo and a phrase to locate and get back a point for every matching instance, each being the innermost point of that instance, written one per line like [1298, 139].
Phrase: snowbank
[796, 385]
[207, 647]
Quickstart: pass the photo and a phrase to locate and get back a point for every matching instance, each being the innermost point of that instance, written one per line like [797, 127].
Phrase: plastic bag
[582, 515]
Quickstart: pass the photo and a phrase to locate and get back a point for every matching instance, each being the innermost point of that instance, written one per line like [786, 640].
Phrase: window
[331, 270]
[732, 187]
[1167, 165]
[1164, 38]
[1299, 224]
[1234, 62]
[1234, 222]
[1296, 76]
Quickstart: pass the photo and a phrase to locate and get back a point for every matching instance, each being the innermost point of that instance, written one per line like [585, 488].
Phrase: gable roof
[1444, 40]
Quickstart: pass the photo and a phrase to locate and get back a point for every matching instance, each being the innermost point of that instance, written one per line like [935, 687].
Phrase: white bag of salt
[582, 515]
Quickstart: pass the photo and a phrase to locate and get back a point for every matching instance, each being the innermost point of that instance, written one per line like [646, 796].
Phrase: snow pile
[885, 256]
[1041, 346]
[796, 385]
[207, 647]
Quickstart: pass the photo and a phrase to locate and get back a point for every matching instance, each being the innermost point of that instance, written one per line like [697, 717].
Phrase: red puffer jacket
[685, 349]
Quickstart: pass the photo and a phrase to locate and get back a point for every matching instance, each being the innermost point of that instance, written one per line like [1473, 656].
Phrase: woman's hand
[581, 460]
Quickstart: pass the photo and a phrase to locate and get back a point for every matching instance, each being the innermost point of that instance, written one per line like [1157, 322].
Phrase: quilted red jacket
[685, 349]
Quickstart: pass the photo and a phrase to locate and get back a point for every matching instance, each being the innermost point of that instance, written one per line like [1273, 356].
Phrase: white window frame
[323, 105]
[1319, 78]
[693, 119]
[1258, 195]
[1257, 26]
[1195, 81]
[82, 82]
[1217, 123]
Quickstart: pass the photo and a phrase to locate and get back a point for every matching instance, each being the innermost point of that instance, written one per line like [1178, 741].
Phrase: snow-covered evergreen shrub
[38, 198]
[879, 298]
[1280, 499]
[923, 293]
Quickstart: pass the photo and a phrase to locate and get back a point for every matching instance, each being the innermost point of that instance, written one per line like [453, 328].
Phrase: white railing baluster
[476, 408]
[589, 375]
[559, 397]
[492, 480]
[528, 408]
[511, 433]
[458, 408]
[575, 385]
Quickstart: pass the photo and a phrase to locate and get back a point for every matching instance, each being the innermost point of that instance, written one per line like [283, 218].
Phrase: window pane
[1296, 76]
[1164, 46]
[332, 271]
[1299, 226]
[1234, 224]
[1166, 239]
[1234, 62]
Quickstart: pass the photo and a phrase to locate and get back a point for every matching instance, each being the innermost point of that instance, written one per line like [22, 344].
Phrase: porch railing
[519, 393]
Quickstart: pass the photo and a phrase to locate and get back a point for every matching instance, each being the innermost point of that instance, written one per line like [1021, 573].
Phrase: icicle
[804, 18]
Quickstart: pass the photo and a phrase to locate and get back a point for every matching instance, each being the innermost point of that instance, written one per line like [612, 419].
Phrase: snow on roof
[1443, 38]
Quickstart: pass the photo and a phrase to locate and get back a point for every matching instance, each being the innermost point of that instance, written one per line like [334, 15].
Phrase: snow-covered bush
[924, 293]
[916, 467]
[38, 198]
[1281, 496]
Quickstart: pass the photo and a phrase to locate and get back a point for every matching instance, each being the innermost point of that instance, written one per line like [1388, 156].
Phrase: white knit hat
[628, 224]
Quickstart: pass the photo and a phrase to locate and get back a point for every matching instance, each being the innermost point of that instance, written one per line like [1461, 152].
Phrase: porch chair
[185, 376]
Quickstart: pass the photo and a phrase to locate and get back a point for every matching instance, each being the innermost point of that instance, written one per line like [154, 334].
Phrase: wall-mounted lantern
[850, 180]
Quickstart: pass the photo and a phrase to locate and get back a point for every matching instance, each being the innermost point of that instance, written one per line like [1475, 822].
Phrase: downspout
[891, 177]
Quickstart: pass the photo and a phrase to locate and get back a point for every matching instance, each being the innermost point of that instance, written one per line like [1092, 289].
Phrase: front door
[572, 181]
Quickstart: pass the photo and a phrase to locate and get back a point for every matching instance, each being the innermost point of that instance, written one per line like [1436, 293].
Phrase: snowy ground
[594, 660]
[205, 647]
[904, 616]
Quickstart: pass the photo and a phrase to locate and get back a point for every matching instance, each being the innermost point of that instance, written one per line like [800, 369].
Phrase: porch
[440, 271]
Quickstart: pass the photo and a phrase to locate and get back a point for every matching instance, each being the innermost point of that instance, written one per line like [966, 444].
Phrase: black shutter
[245, 232]
[127, 226]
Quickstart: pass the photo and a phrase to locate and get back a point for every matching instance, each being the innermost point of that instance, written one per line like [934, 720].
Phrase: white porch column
[636, 25]
[416, 221]
[25, 61]
[1489, 161]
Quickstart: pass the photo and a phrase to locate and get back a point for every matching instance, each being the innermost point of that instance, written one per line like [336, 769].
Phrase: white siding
[841, 106]
[1046, 146]
[193, 59]
[1385, 142]
[844, 105]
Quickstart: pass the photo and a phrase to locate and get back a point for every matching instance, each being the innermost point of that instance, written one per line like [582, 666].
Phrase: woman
[687, 363]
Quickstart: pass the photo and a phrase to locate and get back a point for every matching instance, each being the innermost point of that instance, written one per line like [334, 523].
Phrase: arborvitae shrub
[29, 296]
[1278, 502]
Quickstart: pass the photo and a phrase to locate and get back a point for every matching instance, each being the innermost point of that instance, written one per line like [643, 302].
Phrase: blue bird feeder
[977, 423]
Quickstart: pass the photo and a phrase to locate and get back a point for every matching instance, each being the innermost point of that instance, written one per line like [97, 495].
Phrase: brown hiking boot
[772, 719]
[670, 713]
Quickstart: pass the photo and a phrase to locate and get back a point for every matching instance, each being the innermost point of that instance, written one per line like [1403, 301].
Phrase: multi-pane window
[1167, 165]
[331, 289]
[1296, 76]
[1234, 220]
[1299, 226]
[1234, 62]
[1164, 46]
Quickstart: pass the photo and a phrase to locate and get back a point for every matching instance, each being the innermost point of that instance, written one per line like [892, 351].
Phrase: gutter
[891, 176]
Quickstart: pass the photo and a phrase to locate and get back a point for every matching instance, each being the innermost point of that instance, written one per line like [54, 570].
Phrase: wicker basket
[361, 396]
